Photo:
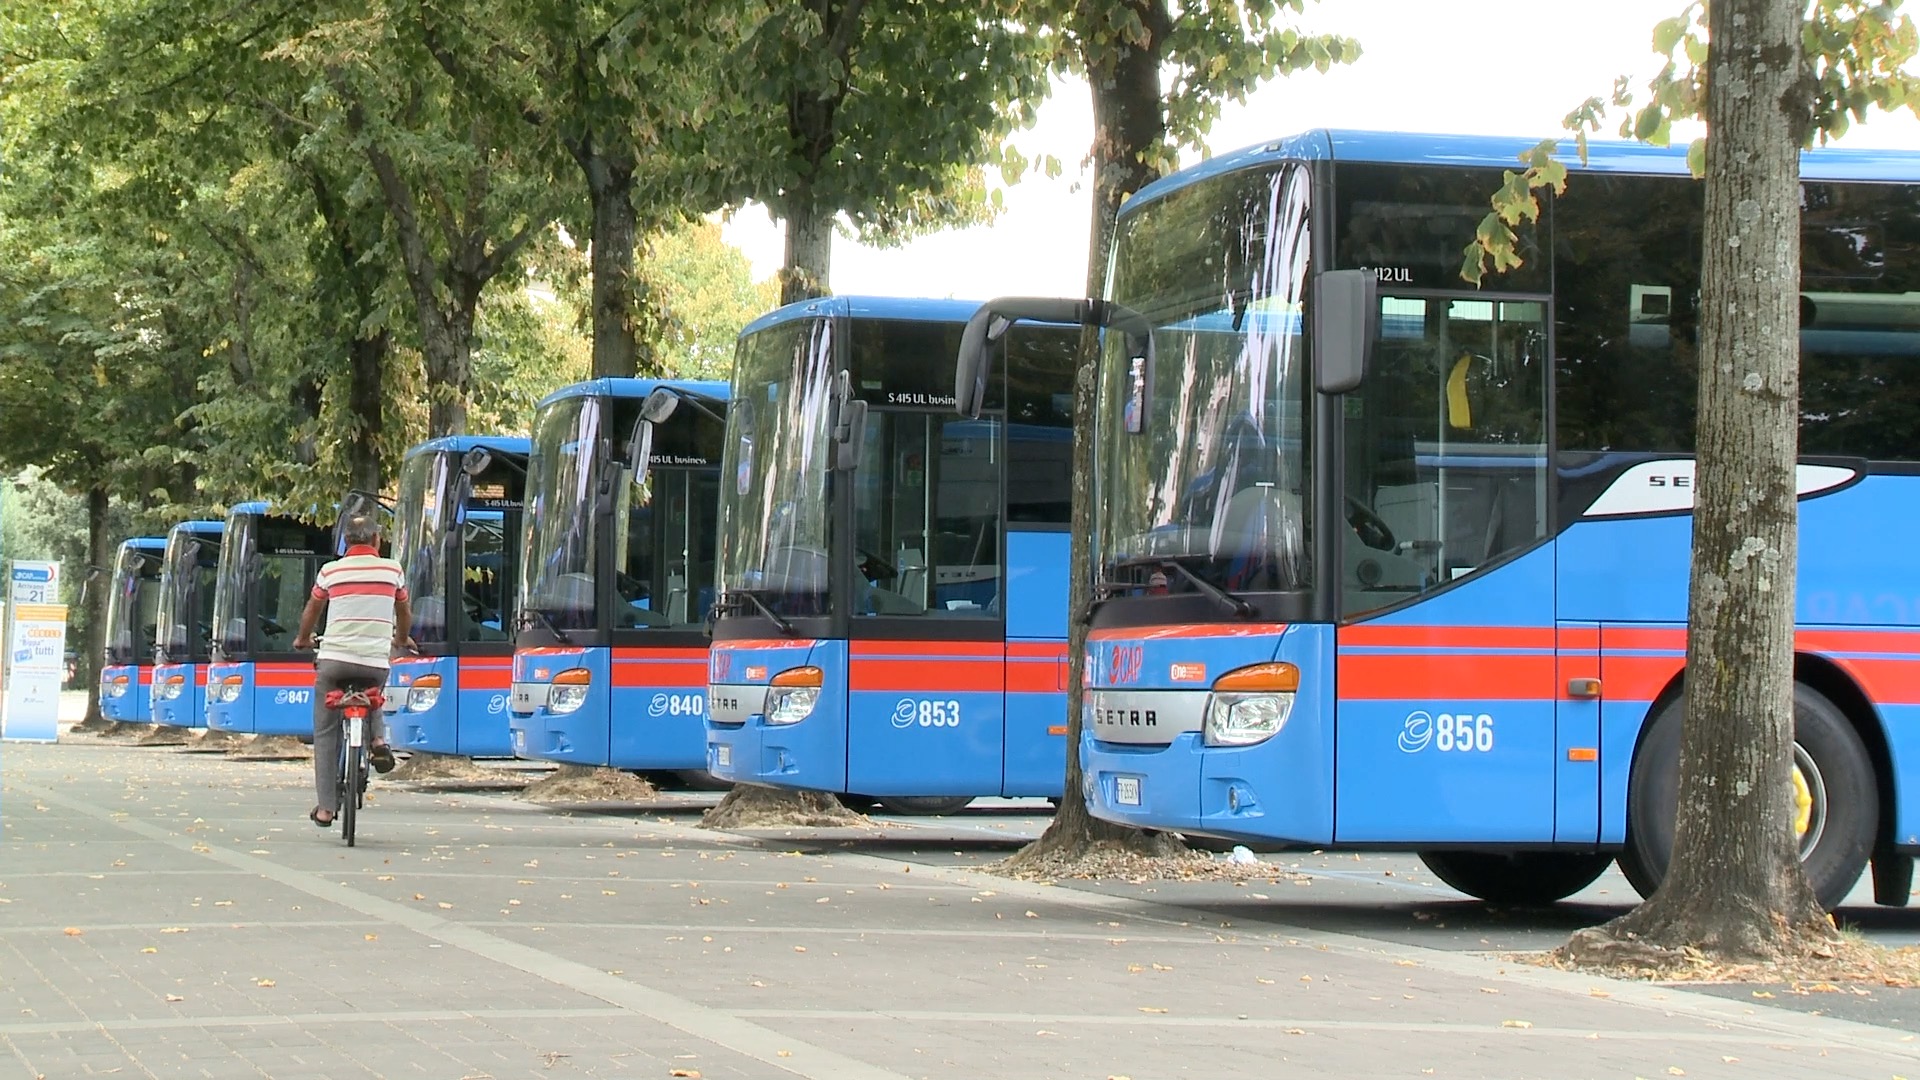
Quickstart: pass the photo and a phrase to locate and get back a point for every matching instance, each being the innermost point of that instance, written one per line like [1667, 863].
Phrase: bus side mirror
[476, 461]
[1345, 305]
[640, 447]
[659, 405]
[850, 426]
[975, 363]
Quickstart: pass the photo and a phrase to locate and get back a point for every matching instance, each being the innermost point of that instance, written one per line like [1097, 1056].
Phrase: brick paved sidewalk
[216, 933]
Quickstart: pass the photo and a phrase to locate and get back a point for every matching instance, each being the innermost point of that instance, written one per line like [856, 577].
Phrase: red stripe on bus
[1578, 638]
[1211, 630]
[1886, 682]
[1449, 637]
[1903, 642]
[1635, 678]
[926, 648]
[677, 673]
[1672, 639]
[765, 643]
[282, 677]
[984, 675]
[1036, 677]
[1041, 650]
[550, 650]
[1442, 679]
[485, 676]
[646, 652]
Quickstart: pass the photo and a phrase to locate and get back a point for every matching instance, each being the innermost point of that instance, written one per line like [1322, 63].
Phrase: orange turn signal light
[799, 676]
[571, 677]
[1276, 677]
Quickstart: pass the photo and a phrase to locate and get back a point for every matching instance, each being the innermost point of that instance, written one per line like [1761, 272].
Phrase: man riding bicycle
[364, 598]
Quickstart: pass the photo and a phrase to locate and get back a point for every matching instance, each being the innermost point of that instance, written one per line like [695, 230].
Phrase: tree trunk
[449, 356]
[809, 251]
[100, 549]
[1734, 887]
[366, 401]
[615, 236]
[1128, 125]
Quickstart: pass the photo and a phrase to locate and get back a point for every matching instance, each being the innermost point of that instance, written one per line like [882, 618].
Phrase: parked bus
[610, 644]
[126, 680]
[184, 639]
[893, 579]
[257, 683]
[1434, 599]
[457, 529]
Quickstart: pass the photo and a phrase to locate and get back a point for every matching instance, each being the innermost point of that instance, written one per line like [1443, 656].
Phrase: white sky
[1535, 60]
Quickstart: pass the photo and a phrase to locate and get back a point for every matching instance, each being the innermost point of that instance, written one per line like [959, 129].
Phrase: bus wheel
[1526, 878]
[1836, 801]
[925, 805]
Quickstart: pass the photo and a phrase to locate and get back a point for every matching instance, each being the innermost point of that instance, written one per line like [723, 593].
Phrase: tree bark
[1734, 888]
[100, 551]
[809, 250]
[366, 400]
[615, 236]
[1128, 126]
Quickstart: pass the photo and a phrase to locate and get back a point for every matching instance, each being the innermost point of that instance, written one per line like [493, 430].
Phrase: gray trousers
[332, 675]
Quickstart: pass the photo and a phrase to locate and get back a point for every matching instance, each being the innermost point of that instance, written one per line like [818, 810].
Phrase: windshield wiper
[779, 620]
[1232, 602]
[547, 621]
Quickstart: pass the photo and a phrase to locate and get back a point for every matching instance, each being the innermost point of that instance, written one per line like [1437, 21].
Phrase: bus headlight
[227, 691]
[424, 694]
[1250, 705]
[170, 689]
[569, 690]
[118, 687]
[792, 695]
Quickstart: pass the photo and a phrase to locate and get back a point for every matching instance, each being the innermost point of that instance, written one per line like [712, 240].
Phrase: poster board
[36, 646]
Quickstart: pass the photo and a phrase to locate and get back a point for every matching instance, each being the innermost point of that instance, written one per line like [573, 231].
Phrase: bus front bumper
[1255, 793]
[810, 755]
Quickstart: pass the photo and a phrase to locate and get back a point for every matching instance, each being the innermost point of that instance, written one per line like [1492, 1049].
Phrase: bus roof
[867, 307]
[460, 444]
[1503, 152]
[199, 528]
[635, 388]
[143, 543]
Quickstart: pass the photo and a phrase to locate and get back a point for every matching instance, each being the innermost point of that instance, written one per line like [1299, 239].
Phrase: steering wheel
[1372, 530]
[875, 567]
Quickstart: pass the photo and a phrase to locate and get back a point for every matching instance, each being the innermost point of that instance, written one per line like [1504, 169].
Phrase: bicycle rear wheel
[351, 772]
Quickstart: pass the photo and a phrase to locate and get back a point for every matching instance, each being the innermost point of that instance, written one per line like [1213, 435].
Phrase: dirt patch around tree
[1822, 968]
[1107, 860]
[751, 806]
[422, 767]
[582, 784]
[272, 748]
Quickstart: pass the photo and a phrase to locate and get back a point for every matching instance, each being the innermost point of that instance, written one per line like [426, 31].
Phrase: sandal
[382, 758]
[314, 816]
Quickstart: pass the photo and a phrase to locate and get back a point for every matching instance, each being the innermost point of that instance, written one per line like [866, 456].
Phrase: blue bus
[126, 679]
[610, 644]
[256, 683]
[183, 642]
[1417, 579]
[457, 529]
[893, 579]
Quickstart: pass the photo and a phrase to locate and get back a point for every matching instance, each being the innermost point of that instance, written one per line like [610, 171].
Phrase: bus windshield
[421, 540]
[663, 557]
[773, 528]
[557, 581]
[185, 613]
[132, 607]
[1201, 444]
[267, 566]
[230, 595]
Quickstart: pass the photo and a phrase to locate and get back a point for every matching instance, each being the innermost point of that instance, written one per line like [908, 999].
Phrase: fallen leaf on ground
[1516, 1023]
[263, 982]
[444, 904]
[690, 1074]
[1151, 1009]
[1763, 993]
[785, 1053]
[1263, 982]
[73, 931]
[149, 949]
[419, 896]
[1033, 915]
[1675, 1070]
[373, 937]
[173, 930]
[175, 997]
[799, 948]
[1488, 990]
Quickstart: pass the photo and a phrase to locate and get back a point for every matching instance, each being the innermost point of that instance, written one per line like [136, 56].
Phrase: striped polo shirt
[360, 590]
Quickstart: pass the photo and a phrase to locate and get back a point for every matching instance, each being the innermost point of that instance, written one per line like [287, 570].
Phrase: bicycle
[354, 705]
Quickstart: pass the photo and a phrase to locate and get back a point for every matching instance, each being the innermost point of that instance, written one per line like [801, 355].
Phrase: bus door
[1576, 815]
[927, 649]
[1447, 675]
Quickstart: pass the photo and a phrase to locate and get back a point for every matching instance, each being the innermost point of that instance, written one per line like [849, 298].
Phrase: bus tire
[1846, 812]
[925, 805]
[1521, 878]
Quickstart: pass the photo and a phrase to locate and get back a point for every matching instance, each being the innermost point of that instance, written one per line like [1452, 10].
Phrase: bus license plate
[723, 755]
[1126, 790]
